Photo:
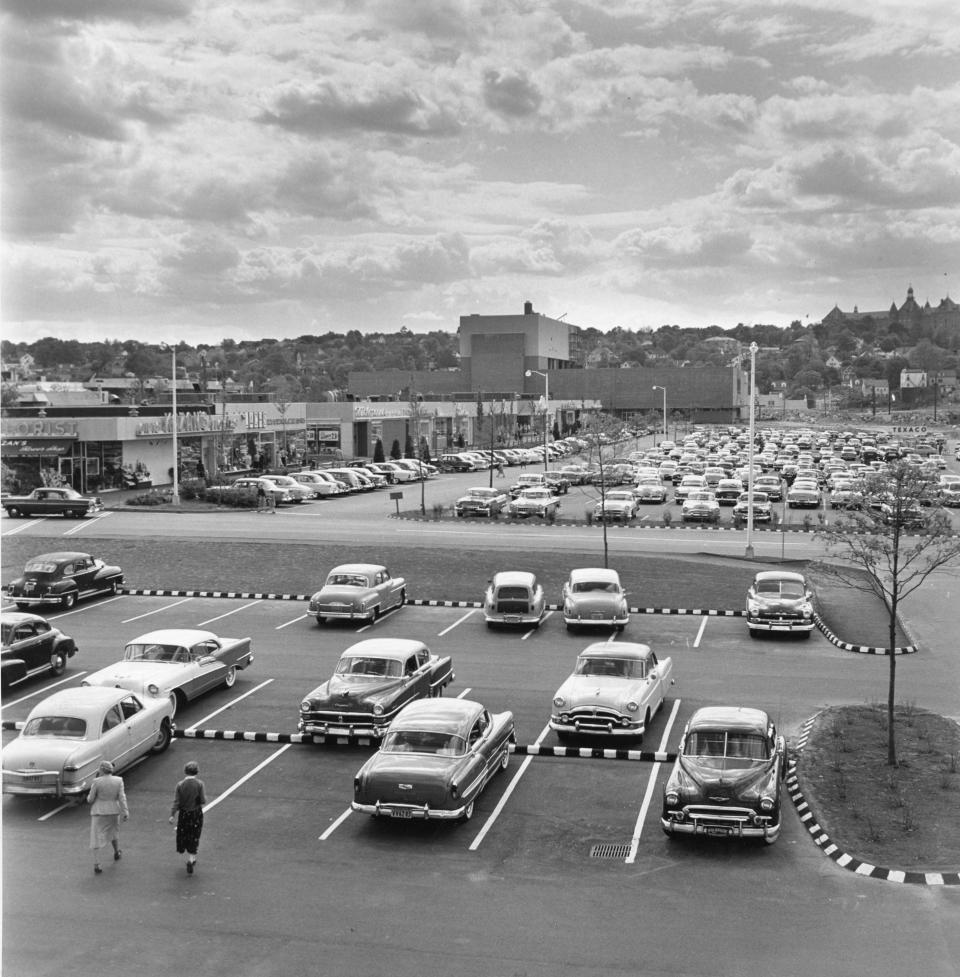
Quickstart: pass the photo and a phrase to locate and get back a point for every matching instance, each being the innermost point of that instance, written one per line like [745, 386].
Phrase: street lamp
[753, 402]
[664, 389]
[546, 409]
[175, 497]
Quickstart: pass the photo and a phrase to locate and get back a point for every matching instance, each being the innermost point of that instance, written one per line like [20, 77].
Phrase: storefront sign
[917, 429]
[193, 423]
[39, 428]
[328, 437]
[35, 449]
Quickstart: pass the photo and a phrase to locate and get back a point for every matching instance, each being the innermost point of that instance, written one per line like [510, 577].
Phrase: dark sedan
[63, 578]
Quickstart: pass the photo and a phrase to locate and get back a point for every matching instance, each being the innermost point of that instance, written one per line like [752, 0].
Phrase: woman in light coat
[108, 806]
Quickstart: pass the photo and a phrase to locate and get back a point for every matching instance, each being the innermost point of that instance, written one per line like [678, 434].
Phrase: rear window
[56, 726]
[513, 593]
[41, 568]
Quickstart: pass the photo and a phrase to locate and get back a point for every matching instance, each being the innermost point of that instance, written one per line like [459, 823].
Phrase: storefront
[260, 436]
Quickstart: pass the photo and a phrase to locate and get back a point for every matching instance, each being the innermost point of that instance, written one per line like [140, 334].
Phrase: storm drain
[607, 850]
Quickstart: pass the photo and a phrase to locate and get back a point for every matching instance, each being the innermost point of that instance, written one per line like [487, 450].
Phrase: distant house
[871, 387]
[912, 379]
[833, 363]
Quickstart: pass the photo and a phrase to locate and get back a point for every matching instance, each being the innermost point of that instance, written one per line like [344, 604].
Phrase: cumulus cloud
[510, 93]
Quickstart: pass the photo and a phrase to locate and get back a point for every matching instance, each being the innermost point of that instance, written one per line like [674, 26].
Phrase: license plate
[718, 831]
[401, 813]
[511, 618]
[337, 731]
[31, 778]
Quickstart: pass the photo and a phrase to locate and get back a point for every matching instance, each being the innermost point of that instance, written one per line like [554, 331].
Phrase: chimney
[528, 308]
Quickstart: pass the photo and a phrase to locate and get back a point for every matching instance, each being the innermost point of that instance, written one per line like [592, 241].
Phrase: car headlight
[766, 803]
[378, 709]
[85, 683]
[153, 688]
[672, 798]
[306, 705]
[559, 701]
[632, 705]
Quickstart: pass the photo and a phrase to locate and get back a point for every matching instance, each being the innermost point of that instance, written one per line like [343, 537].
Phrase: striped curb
[823, 841]
[595, 753]
[229, 594]
[860, 649]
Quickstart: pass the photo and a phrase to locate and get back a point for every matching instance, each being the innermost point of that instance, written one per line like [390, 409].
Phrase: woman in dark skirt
[187, 809]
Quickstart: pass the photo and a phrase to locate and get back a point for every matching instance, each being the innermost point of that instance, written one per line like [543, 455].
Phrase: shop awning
[35, 448]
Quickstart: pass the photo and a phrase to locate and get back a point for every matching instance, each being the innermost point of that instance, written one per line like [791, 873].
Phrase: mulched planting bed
[902, 817]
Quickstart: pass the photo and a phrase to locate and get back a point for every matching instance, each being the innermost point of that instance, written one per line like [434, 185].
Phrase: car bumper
[596, 620]
[409, 811]
[512, 618]
[319, 727]
[35, 599]
[762, 624]
[722, 823]
[332, 613]
[41, 783]
[596, 727]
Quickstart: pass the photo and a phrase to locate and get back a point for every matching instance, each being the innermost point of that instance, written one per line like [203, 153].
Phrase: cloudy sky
[196, 169]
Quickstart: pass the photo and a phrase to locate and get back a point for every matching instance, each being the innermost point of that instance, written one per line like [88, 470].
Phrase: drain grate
[609, 851]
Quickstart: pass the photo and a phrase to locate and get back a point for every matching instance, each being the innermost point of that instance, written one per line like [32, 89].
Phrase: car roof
[456, 714]
[730, 717]
[66, 556]
[780, 575]
[20, 617]
[398, 648]
[514, 578]
[173, 636]
[87, 699]
[358, 568]
[594, 573]
[617, 649]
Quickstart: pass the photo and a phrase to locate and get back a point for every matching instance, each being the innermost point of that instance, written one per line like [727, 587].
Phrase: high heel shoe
[97, 870]
[116, 855]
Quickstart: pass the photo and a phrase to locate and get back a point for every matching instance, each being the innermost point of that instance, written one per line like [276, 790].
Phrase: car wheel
[505, 759]
[114, 586]
[468, 812]
[68, 600]
[403, 597]
[231, 677]
[22, 607]
[58, 663]
[77, 513]
[163, 737]
[176, 700]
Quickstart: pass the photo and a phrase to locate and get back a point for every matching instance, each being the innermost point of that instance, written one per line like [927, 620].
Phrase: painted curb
[823, 841]
[860, 649]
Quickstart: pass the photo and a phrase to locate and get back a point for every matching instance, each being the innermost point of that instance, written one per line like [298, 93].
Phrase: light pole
[664, 389]
[753, 401]
[175, 497]
[546, 410]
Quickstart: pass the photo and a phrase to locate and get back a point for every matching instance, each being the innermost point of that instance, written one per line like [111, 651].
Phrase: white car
[594, 597]
[296, 492]
[320, 486]
[177, 663]
[615, 690]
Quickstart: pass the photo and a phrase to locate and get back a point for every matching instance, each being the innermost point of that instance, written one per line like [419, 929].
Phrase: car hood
[718, 780]
[136, 675]
[581, 690]
[342, 595]
[350, 691]
[41, 752]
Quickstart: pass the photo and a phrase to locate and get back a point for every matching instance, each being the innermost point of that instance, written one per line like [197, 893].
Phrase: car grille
[593, 719]
[778, 616]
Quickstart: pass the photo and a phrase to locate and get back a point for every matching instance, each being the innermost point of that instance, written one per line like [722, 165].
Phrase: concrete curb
[823, 841]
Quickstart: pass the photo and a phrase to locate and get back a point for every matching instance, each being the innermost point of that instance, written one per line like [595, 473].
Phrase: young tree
[395, 452]
[888, 548]
[378, 451]
[599, 431]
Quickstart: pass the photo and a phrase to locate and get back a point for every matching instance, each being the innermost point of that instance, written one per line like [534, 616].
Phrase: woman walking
[108, 806]
[188, 801]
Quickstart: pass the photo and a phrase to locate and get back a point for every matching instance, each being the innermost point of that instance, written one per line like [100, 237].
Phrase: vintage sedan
[514, 597]
[68, 734]
[63, 578]
[481, 501]
[762, 507]
[804, 494]
[534, 502]
[617, 505]
[779, 600]
[615, 690]
[373, 681]
[320, 487]
[357, 592]
[700, 507]
[594, 597]
[726, 780]
[434, 761]
[728, 491]
[296, 491]
[179, 664]
[52, 501]
[31, 645]
[650, 491]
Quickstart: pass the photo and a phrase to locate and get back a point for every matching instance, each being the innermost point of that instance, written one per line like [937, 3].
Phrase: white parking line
[703, 625]
[236, 610]
[475, 844]
[80, 526]
[336, 824]
[159, 610]
[459, 621]
[533, 631]
[287, 624]
[245, 778]
[45, 689]
[465, 692]
[232, 702]
[23, 526]
[651, 784]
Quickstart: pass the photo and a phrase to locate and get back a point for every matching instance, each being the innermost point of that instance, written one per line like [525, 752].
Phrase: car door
[141, 732]
[85, 575]
[115, 738]
[206, 668]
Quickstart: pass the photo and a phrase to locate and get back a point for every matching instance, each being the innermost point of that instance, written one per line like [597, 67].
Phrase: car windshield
[8, 630]
[156, 653]
[433, 741]
[56, 726]
[371, 667]
[595, 587]
[481, 493]
[741, 747]
[617, 667]
[781, 588]
[40, 568]
[346, 580]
